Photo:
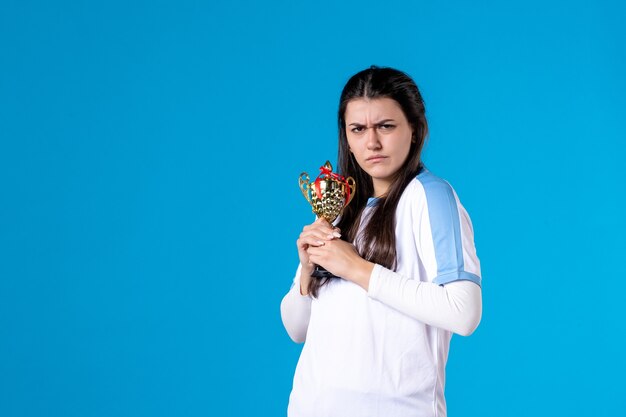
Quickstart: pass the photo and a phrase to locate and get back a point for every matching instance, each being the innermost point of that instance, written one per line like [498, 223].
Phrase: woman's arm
[456, 306]
[295, 308]
[450, 297]
[295, 311]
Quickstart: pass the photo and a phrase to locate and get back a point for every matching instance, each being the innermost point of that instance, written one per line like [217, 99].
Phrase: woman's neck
[380, 188]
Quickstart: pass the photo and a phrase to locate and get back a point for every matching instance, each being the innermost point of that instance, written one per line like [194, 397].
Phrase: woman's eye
[386, 126]
[357, 129]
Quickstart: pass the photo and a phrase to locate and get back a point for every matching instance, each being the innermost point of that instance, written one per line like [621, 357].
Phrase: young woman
[376, 340]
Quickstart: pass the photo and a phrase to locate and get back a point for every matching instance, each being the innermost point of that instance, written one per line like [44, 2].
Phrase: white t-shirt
[368, 353]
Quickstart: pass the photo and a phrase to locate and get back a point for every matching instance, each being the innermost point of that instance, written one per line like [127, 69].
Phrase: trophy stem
[321, 273]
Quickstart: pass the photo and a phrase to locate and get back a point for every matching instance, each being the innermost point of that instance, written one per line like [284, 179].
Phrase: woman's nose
[373, 141]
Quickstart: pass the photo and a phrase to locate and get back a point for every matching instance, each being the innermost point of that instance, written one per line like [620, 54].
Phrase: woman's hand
[342, 259]
[316, 234]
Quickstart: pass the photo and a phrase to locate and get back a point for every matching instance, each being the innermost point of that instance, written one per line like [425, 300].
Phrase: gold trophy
[327, 195]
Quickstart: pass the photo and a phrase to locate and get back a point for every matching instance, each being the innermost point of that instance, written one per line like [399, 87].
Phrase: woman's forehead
[365, 109]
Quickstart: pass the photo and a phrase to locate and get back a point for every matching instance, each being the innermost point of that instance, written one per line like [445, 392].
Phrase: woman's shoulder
[428, 188]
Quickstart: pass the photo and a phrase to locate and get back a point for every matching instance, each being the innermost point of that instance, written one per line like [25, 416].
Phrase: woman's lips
[376, 158]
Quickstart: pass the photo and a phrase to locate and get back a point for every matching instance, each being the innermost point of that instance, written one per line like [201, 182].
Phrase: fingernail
[337, 234]
[319, 242]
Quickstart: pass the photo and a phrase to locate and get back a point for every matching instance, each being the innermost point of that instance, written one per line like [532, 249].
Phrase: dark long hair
[378, 240]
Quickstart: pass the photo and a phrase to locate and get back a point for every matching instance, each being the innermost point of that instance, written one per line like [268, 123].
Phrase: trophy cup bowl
[328, 194]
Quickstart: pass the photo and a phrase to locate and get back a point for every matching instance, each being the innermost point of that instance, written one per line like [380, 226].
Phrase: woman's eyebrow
[376, 123]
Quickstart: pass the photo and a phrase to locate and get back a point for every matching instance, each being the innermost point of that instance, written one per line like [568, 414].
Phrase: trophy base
[321, 273]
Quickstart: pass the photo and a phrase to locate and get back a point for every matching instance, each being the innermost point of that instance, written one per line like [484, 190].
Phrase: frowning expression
[379, 137]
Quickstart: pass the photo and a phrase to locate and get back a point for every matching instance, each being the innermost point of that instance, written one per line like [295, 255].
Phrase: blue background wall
[149, 205]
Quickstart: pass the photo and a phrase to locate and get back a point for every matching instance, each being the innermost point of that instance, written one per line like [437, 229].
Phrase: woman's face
[379, 137]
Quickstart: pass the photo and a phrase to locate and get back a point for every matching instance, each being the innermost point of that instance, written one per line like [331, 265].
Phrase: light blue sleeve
[452, 233]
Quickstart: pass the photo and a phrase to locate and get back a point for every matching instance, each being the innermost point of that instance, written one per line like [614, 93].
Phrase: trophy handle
[305, 186]
[352, 185]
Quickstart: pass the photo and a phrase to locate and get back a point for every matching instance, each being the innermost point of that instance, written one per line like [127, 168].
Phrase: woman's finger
[319, 228]
[321, 234]
[314, 252]
[311, 241]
